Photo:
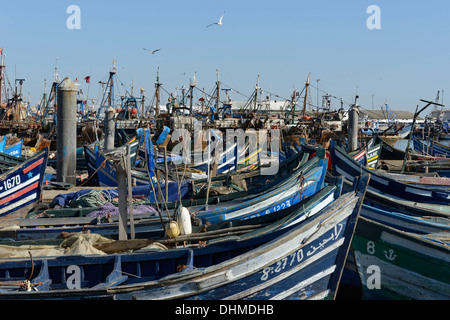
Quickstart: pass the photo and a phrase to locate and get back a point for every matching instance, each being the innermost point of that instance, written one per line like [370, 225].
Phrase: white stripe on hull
[18, 203]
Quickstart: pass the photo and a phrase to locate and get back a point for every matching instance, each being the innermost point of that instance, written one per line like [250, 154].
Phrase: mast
[217, 88]
[192, 85]
[17, 98]
[44, 98]
[306, 94]
[142, 102]
[1, 77]
[256, 93]
[111, 84]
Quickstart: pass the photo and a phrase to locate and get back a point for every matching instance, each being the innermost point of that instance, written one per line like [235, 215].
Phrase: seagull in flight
[152, 51]
[218, 23]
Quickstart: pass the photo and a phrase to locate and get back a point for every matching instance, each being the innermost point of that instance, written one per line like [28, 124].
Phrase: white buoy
[183, 218]
[172, 229]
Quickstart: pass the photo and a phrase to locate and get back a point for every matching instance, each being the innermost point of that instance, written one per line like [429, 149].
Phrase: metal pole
[67, 131]
[109, 128]
[353, 128]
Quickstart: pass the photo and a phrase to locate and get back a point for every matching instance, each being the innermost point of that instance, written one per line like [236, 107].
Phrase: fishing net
[78, 243]
[94, 198]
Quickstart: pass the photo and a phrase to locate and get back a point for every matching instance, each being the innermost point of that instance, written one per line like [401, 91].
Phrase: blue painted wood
[150, 266]
[301, 185]
[435, 148]
[282, 261]
[162, 137]
[15, 150]
[101, 172]
[405, 222]
[43, 278]
[21, 187]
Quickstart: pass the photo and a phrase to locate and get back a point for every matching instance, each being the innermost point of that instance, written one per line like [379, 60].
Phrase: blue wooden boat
[345, 165]
[405, 216]
[433, 148]
[407, 223]
[368, 156]
[15, 150]
[394, 264]
[149, 225]
[283, 260]
[102, 173]
[255, 184]
[302, 184]
[3, 144]
[21, 187]
[389, 152]
[412, 208]
[7, 161]
[227, 162]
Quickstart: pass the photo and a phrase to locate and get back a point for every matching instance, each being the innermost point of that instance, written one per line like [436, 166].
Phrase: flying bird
[218, 23]
[152, 51]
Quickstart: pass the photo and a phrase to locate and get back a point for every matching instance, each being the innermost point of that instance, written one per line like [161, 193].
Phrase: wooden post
[166, 169]
[211, 170]
[122, 186]
[130, 192]
[416, 115]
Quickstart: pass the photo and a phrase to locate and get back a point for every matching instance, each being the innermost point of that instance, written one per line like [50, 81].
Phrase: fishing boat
[283, 260]
[8, 161]
[403, 215]
[344, 164]
[412, 208]
[254, 184]
[307, 180]
[406, 222]
[21, 187]
[368, 156]
[102, 173]
[394, 264]
[432, 148]
[422, 180]
[15, 149]
[389, 152]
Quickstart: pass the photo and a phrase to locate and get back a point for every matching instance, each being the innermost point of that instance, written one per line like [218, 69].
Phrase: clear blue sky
[406, 60]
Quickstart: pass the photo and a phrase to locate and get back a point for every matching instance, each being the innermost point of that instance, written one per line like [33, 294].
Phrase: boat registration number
[11, 182]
